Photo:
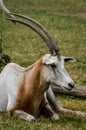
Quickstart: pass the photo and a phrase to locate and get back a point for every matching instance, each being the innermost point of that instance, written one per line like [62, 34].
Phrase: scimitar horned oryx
[27, 92]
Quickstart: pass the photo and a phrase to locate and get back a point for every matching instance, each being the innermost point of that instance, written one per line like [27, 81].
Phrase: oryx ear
[69, 59]
[49, 60]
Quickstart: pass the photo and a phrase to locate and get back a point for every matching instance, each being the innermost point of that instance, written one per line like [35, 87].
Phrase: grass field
[66, 21]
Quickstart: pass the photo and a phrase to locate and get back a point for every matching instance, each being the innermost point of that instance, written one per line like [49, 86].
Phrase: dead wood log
[78, 91]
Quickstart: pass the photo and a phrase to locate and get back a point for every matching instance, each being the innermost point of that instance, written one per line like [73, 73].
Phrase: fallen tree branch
[78, 91]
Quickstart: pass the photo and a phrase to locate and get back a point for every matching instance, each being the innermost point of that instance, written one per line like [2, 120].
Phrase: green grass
[66, 21]
[66, 122]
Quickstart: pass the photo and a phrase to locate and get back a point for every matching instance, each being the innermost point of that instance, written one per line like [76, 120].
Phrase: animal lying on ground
[23, 90]
[26, 92]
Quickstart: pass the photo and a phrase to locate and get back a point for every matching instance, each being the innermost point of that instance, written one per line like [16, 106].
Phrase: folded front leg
[51, 114]
[47, 110]
[52, 100]
[23, 115]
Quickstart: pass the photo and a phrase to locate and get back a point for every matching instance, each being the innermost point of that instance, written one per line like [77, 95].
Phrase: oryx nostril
[71, 85]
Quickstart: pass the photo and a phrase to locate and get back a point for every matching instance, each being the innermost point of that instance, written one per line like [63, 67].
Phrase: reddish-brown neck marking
[32, 89]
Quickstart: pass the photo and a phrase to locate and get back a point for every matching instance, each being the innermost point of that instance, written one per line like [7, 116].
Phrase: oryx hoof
[54, 117]
[30, 118]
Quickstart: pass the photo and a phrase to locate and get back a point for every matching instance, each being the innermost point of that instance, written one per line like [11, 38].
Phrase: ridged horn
[54, 46]
[34, 29]
[3, 7]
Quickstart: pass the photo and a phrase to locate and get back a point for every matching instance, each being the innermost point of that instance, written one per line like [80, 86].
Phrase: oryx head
[54, 63]
[55, 72]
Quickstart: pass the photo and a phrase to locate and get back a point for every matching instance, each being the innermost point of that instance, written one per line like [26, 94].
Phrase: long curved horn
[3, 7]
[55, 48]
[36, 30]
